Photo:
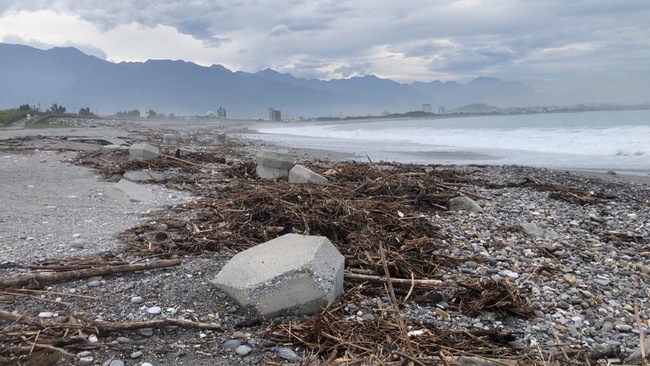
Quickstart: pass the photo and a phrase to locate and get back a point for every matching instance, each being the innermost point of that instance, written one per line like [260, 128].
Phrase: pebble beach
[583, 268]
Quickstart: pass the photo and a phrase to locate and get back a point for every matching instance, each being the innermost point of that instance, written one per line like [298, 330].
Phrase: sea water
[602, 140]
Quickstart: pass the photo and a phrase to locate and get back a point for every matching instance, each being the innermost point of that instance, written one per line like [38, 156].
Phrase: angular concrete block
[295, 274]
[273, 164]
[144, 151]
[125, 191]
[169, 139]
[464, 203]
[143, 176]
[300, 174]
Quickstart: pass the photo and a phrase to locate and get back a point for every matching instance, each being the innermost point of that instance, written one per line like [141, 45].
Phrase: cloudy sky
[583, 50]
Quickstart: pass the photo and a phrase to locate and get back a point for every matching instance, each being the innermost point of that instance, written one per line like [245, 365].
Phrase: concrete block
[464, 203]
[125, 191]
[144, 151]
[273, 164]
[143, 176]
[300, 174]
[169, 139]
[294, 274]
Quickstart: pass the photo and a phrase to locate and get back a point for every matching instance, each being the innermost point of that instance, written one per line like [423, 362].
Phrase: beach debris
[273, 164]
[301, 174]
[64, 273]
[293, 273]
[143, 151]
[127, 191]
[464, 203]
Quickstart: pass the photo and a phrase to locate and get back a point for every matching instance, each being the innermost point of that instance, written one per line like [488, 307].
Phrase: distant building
[144, 113]
[426, 108]
[274, 115]
[221, 112]
[442, 110]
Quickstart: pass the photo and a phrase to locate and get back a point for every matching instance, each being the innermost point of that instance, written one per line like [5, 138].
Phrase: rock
[231, 344]
[136, 300]
[464, 203]
[273, 164]
[146, 332]
[46, 314]
[293, 273]
[154, 310]
[136, 354]
[143, 176]
[144, 151]
[300, 174]
[243, 350]
[539, 231]
[125, 191]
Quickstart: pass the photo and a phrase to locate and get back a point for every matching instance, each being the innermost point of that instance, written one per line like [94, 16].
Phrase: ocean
[596, 141]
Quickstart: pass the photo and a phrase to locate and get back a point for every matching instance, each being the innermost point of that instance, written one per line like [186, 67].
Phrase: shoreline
[578, 268]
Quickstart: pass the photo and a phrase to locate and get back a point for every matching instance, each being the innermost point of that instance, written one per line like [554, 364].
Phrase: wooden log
[36, 280]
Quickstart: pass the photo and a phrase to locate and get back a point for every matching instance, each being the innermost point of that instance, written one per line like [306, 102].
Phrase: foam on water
[611, 139]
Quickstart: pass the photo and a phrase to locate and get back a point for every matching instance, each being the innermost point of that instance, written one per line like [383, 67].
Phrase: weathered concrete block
[169, 139]
[143, 176]
[126, 191]
[145, 151]
[464, 203]
[294, 274]
[300, 174]
[273, 164]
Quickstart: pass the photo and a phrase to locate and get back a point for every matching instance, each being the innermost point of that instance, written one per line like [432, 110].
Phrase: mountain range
[70, 78]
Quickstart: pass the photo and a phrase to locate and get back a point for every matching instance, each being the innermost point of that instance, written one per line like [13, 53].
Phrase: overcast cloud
[583, 50]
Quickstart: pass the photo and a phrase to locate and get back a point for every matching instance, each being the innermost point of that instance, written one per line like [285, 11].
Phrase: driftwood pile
[380, 217]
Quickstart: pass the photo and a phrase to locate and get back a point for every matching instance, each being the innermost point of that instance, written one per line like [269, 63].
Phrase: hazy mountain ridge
[71, 78]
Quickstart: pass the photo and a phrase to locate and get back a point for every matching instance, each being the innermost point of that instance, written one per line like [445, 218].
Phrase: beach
[571, 246]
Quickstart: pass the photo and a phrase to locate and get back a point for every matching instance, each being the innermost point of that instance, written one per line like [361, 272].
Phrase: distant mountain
[73, 79]
[484, 90]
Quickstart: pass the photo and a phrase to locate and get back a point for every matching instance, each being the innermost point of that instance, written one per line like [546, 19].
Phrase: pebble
[114, 363]
[136, 354]
[136, 300]
[154, 310]
[231, 344]
[146, 332]
[86, 360]
[93, 338]
[94, 283]
[623, 327]
[46, 314]
[243, 350]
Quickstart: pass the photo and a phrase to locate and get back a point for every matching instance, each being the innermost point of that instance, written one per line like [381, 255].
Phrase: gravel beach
[584, 269]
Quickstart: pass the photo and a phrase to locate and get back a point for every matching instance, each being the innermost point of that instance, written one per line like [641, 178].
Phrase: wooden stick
[641, 331]
[106, 327]
[39, 279]
[398, 281]
[393, 299]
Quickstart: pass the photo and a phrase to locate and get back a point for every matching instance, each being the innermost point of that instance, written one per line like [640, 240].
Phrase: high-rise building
[274, 115]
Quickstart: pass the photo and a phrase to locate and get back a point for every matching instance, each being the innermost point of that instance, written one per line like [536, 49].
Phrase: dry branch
[38, 279]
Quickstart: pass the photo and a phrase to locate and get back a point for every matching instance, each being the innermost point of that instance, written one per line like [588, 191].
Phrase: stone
[295, 274]
[143, 176]
[539, 231]
[273, 164]
[125, 191]
[300, 174]
[464, 203]
[243, 350]
[143, 151]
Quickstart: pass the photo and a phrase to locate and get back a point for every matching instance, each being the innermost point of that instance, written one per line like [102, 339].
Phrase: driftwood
[36, 280]
[104, 327]
[395, 281]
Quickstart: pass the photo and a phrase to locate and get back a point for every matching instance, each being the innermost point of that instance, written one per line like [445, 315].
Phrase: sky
[576, 50]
